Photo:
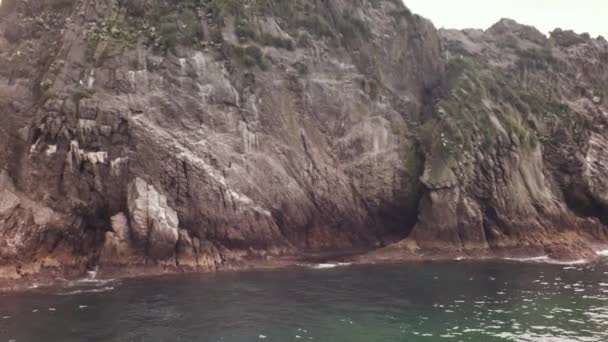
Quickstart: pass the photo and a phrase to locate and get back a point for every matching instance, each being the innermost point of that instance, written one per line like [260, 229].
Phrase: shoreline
[321, 261]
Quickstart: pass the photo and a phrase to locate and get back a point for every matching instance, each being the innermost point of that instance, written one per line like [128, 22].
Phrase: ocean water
[447, 301]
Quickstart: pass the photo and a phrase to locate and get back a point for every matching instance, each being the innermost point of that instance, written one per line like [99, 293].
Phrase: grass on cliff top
[483, 103]
[320, 18]
[485, 100]
[36, 8]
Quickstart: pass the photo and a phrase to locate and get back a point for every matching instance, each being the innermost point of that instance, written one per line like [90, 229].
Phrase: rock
[219, 152]
[120, 226]
[576, 251]
[88, 109]
[105, 130]
[154, 225]
[187, 250]
[506, 27]
[8, 202]
[118, 249]
[114, 250]
[568, 38]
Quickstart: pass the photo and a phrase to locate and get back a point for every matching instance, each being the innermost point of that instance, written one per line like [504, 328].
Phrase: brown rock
[374, 131]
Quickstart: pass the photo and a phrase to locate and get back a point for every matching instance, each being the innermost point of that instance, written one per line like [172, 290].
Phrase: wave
[572, 262]
[92, 274]
[603, 252]
[547, 260]
[328, 265]
[529, 259]
[95, 290]
[90, 281]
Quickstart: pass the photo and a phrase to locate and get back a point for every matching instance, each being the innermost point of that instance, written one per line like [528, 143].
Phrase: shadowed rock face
[202, 134]
[512, 144]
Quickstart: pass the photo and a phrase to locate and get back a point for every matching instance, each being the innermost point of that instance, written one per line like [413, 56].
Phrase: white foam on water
[91, 279]
[99, 282]
[547, 260]
[573, 262]
[538, 258]
[96, 290]
[603, 252]
[328, 265]
[92, 274]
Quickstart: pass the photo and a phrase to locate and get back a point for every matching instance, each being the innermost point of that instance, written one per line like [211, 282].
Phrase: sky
[589, 16]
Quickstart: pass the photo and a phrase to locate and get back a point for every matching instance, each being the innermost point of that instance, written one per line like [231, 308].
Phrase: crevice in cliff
[490, 220]
[410, 220]
[582, 203]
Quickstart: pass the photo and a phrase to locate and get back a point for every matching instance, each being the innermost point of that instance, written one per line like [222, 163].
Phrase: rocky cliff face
[200, 134]
[515, 151]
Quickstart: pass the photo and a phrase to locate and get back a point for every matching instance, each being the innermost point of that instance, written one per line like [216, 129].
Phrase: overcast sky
[579, 15]
[589, 16]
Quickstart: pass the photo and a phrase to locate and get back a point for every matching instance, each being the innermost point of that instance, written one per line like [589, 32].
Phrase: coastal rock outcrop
[154, 225]
[513, 144]
[206, 134]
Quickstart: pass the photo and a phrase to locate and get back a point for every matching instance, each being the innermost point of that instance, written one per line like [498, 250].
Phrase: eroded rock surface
[154, 225]
[513, 151]
[202, 134]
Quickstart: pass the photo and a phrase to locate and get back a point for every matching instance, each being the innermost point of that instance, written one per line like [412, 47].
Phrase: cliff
[515, 151]
[207, 134]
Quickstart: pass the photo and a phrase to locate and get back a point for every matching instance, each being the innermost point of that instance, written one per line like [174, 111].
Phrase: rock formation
[202, 134]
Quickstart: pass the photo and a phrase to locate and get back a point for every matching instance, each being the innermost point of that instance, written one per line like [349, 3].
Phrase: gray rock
[371, 130]
[8, 202]
[154, 224]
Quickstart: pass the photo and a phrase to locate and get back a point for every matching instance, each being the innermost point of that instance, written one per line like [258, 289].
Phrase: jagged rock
[120, 226]
[187, 250]
[8, 202]
[154, 224]
[568, 38]
[284, 138]
[118, 249]
[513, 193]
[508, 27]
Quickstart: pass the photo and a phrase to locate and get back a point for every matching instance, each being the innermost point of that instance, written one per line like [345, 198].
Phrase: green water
[455, 301]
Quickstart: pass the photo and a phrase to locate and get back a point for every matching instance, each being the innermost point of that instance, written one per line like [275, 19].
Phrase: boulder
[8, 202]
